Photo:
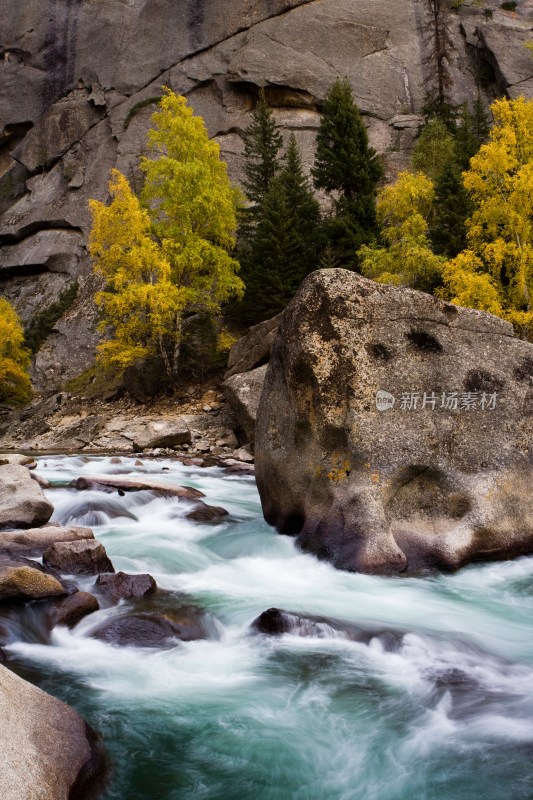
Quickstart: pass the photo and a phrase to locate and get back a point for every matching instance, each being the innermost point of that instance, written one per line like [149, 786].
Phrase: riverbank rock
[34, 541]
[78, 558]
[22, 502]
[74, 608]
[48, 751]
[120, 585]
[395, 430]
[205, 513]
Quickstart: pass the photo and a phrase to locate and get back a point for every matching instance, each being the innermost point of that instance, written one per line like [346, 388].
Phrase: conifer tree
[262, 143]
[347, 168]
[285, 245]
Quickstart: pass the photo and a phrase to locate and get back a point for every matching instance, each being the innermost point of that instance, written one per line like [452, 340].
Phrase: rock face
[394, 429]
[22, 502]
[76, 100]
[48, 751]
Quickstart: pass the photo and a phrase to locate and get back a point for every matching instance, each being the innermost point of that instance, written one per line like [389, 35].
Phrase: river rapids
[434, 698]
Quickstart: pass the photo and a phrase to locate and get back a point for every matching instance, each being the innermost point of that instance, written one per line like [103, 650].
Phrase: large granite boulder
[48, 751]
[34, 541]
[394, 429]
[22, 502]
[253, 349]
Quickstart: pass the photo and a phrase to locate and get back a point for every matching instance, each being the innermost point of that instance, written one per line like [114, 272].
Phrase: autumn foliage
[15, 387]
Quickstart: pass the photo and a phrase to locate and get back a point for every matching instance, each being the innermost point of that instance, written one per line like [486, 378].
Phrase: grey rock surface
[22, 502]
[253, 349]
[243, 392]
[73, 609]
[48, 751]
[435, 470]
[76, 100]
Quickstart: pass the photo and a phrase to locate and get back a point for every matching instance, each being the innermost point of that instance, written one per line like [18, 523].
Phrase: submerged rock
[78, 558]
[204, 513]
[74, 608]
[155, 630]
[394, 429]
[121, 585]
[48, 751]
[22, 502]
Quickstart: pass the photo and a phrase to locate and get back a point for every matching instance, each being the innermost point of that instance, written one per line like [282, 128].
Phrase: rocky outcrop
[22, 502]
[76, 100]
[394, 429]
[48, 751]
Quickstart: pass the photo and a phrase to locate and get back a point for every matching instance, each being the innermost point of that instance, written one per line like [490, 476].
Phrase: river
[435, 700]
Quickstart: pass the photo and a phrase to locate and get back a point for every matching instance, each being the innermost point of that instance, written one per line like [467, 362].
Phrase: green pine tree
[262, 143]
[349, 169]
[451, 210]
[286, 242]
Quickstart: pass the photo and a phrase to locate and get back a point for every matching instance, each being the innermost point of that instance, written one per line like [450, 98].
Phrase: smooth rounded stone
[22, 502]
[157, 625]
[78, 558]
[48, 751]
[73, 609]
[150, 433]
[205, 513]
[360, 451]
[121, 585]
[21, 581]
[105, 483]
[34, 541]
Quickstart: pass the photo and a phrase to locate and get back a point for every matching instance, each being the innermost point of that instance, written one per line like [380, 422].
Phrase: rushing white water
[434, 698]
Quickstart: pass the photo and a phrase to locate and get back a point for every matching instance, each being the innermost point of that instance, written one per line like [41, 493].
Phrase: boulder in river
[394, 431]
[154, 630]
[48, 751]
[120, 585]
[109, 483]
[78, 558]
[22, 502]
[243, 392]
[204, 513]
[34, 541]
[74, 608]
[22, 579]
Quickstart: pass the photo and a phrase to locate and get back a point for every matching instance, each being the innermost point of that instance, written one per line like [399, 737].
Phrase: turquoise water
[435, 701]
